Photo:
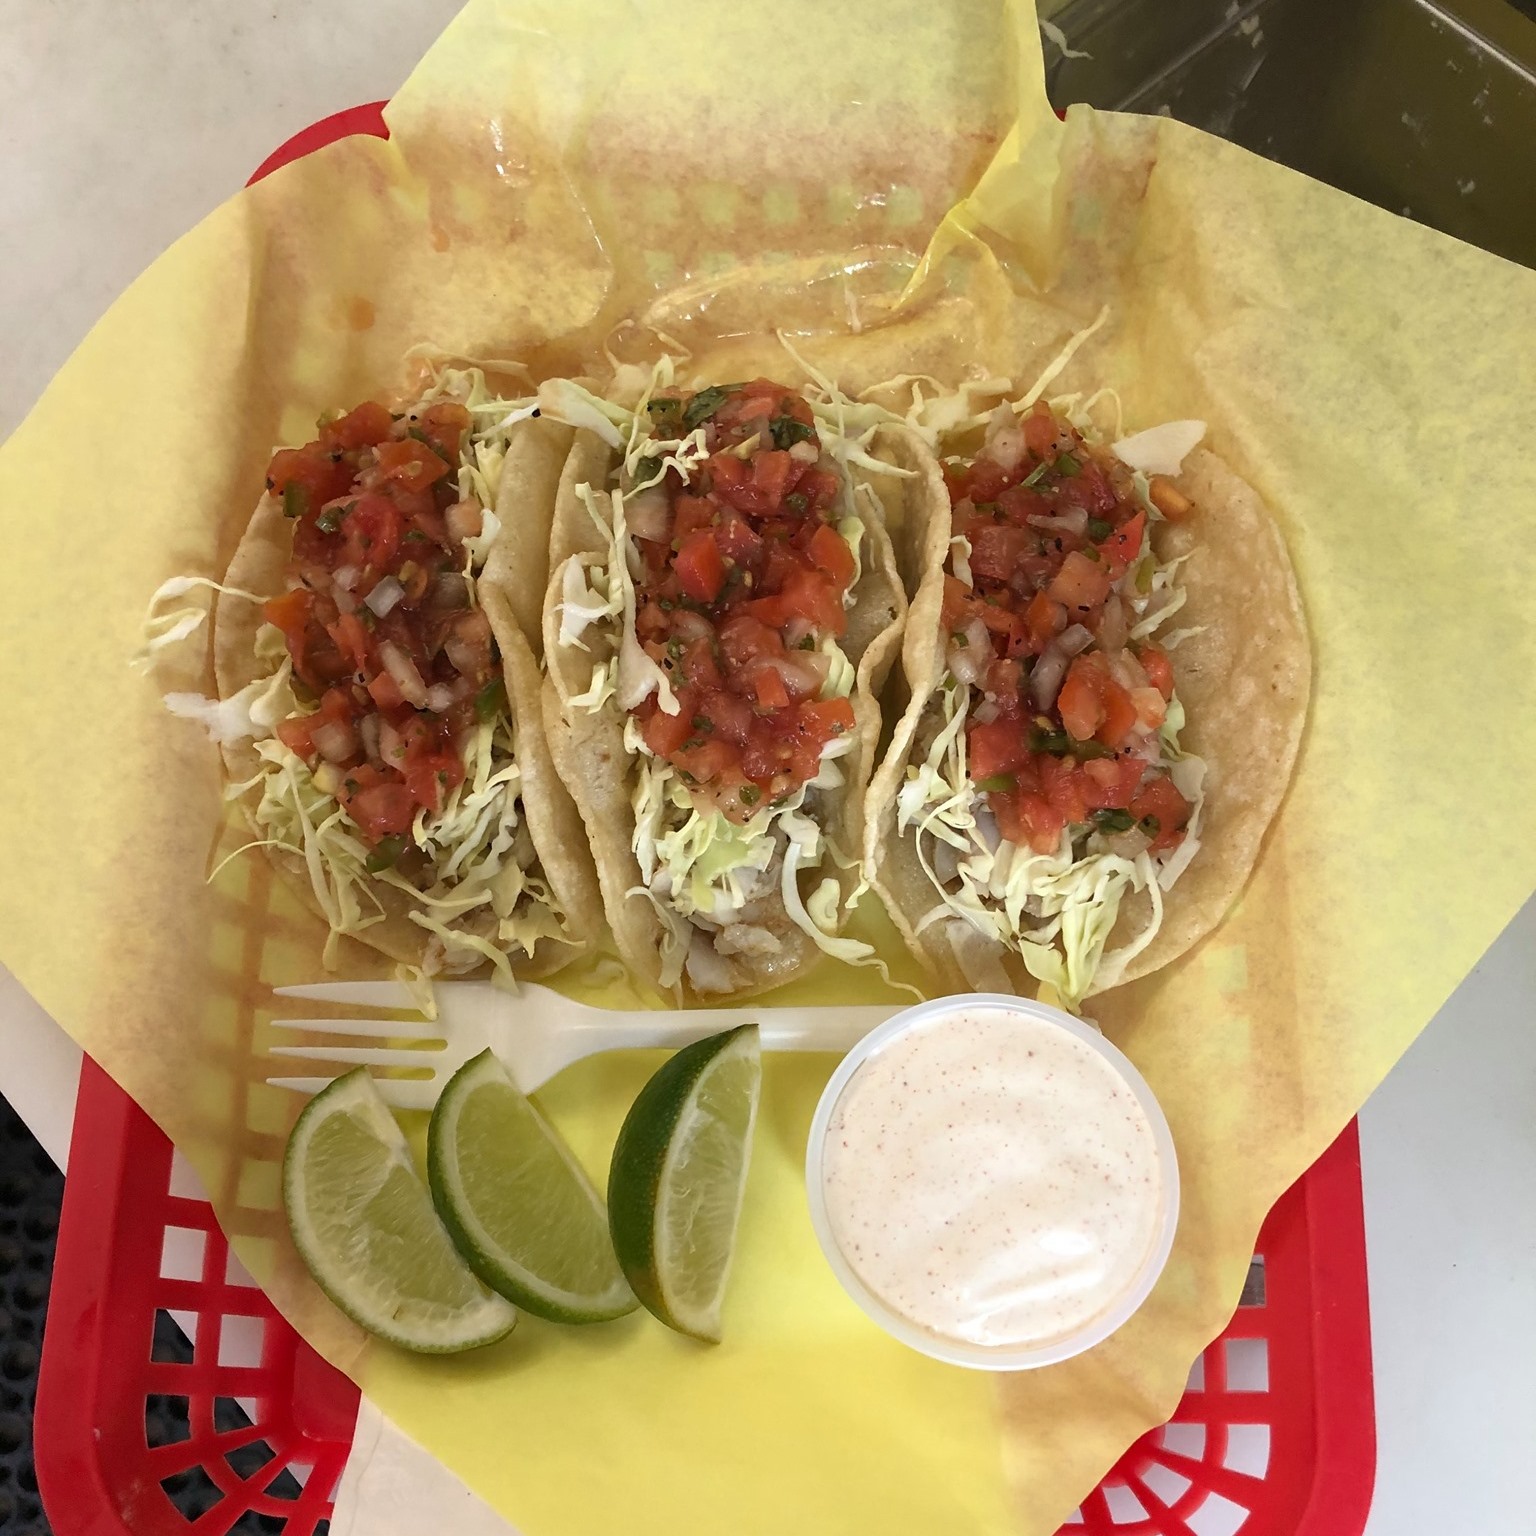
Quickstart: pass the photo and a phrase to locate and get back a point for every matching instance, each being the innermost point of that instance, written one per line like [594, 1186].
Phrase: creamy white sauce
[991, 1178]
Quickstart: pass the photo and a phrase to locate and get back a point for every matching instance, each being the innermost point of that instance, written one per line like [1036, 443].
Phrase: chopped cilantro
[787, 431]
[295, 499]
[1113, 821]
[491, 700]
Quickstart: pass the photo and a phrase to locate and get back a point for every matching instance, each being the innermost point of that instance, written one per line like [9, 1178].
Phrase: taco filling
[734, 544]
[385, 756]
[1046, 780]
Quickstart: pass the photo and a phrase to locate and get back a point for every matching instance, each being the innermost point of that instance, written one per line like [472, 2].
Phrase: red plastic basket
[1275, 1435]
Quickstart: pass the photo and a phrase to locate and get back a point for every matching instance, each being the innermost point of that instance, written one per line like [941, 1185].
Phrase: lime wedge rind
[678, 1177]
[554, 1211]
[364, 1225]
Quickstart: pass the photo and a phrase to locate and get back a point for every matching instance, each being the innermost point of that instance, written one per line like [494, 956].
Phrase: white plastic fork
[535, 1032]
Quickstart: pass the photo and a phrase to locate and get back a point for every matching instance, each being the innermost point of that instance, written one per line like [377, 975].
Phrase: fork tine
[401, 1095]
[370, 994]
[371, 1029]
[358, 1055]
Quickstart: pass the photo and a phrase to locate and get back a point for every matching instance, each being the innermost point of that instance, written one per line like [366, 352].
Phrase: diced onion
[1071, 520]
[805, 452]
[439, 698]
[391, 747]
[1005, 443]
[368, 729]
[688, 626]
[403, 670]
[345, 577]
[966, 664]
[329, 779]
[986, 712]
[468, 644]
[1046, 679]
[464, 520]
[344, 600]
[335, 741]
[1113, 626]
[385, 595]
[648, 514]
[803, 672]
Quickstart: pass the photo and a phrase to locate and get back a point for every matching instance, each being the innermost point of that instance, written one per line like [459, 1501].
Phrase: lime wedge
[522, 1212]
[678, 1175]
[363, 1222]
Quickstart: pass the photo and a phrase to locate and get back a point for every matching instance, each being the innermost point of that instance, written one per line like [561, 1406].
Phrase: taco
[379, 702]
[1107, 669]
[723, 609]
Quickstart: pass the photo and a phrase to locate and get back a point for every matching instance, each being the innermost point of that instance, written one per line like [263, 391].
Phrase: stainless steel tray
[1424, 107]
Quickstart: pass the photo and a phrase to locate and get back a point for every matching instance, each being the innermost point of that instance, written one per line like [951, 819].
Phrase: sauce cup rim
[1003, 1357]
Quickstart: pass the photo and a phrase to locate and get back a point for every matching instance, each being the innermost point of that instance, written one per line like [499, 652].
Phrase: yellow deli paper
[887, 183]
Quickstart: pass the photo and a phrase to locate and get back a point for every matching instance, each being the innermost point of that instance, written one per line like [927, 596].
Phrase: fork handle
[782, 1029]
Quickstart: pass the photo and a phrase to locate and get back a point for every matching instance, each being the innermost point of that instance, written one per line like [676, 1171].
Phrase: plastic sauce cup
[957, 1351]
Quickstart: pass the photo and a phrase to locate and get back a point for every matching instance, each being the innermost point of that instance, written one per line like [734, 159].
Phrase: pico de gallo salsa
[379, 621]
[1039, 610]
[743, 575]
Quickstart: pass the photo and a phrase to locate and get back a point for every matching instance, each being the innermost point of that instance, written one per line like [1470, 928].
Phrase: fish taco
[1106, 668]
[376, 656]
[722, 612]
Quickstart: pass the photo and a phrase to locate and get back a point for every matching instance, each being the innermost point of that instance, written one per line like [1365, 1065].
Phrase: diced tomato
[1027, 819]
[319, 477]
[1150, 706]
[1045, 618]
[819, 487]
[352, 640]
[738, 542]
[290, 613]
[699, 667]
[744, 639]
[410, 463]
[1159, 799]
[1061, 782]
[771, 471]
[730, 718]
[1000, 621]
[385, 691]
[1019, 503]
[1081, 584]
[997, 549]
[959, 603]
[382, 810]
[362, 427]
[986, 481]
[699, 567]
[771, 692]
[1155, 663]
[1123, 546]
[706, 761]
[1120, 714]
[432, 775]
[372, 531]
[830, 553]
[1080, 702]
[691, 512]
[1040, 430]
[665, 733]
[296, 735]
[819, 720]
[1109, 783]
[445, 423]
[998, 747]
